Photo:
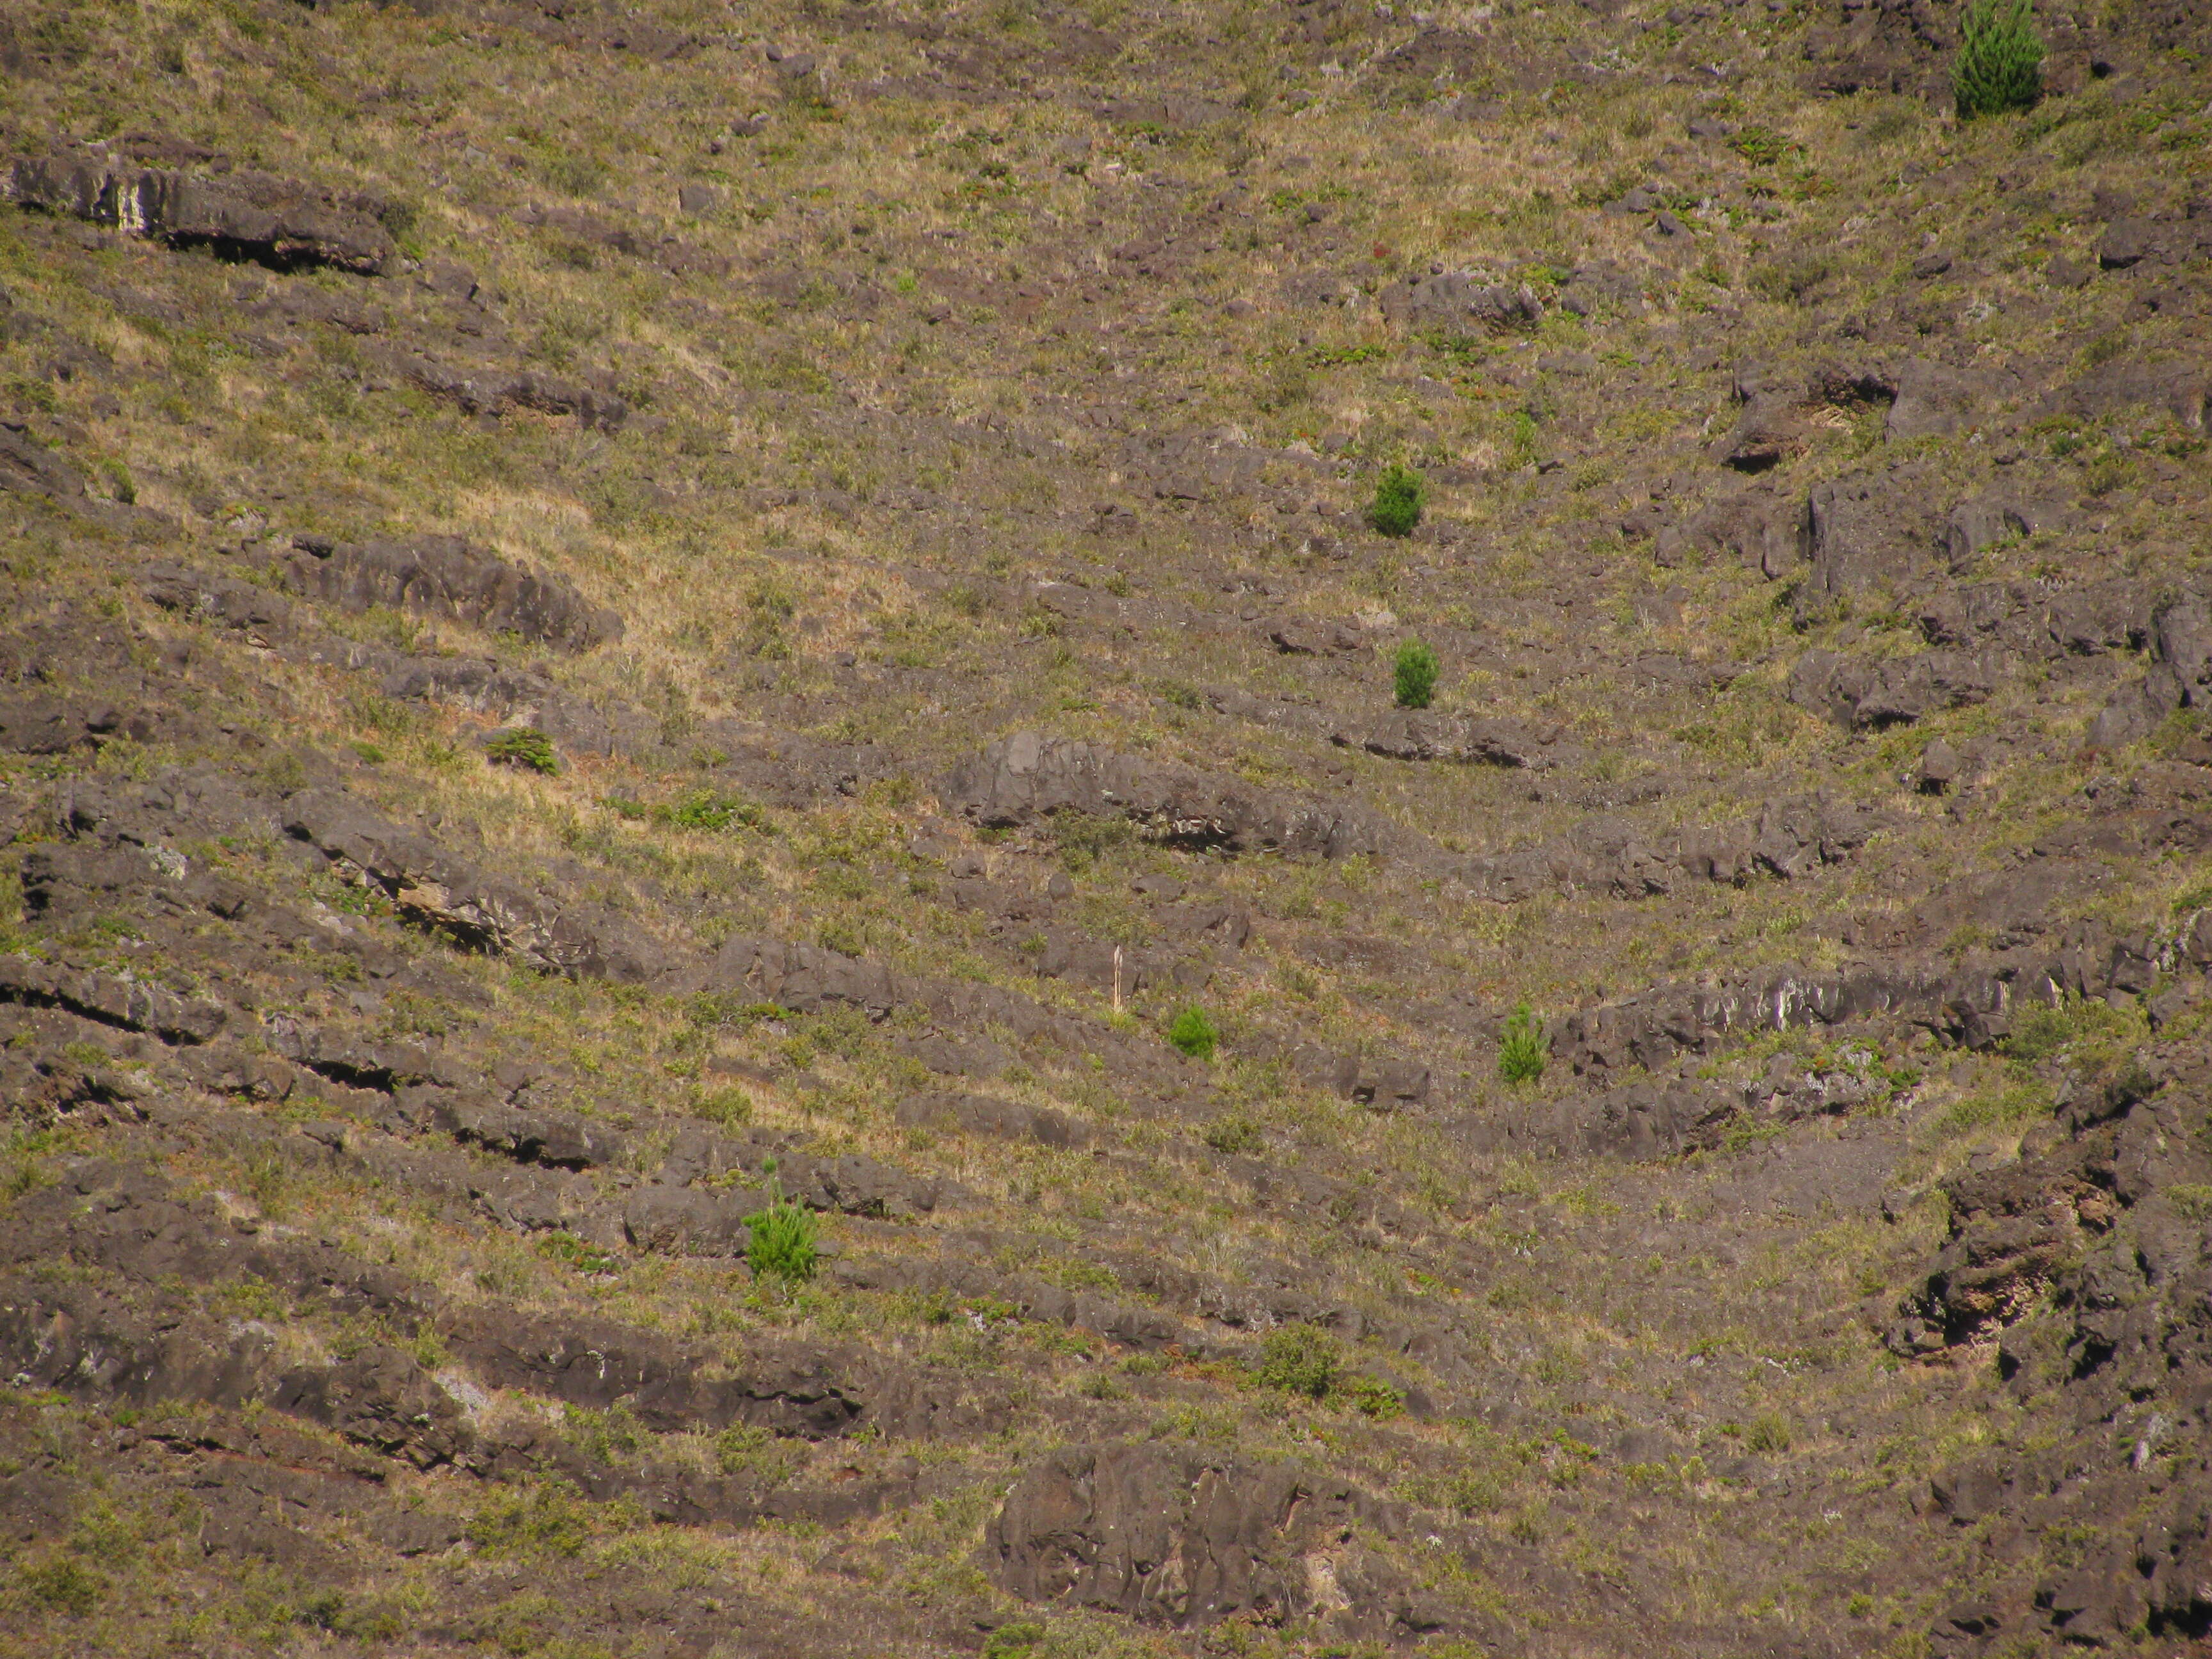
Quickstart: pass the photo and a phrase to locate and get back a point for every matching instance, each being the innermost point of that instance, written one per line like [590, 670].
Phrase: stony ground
[619, 618]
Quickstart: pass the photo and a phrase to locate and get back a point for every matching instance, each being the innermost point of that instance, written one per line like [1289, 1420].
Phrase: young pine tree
[2000, 62]
[1415, 672]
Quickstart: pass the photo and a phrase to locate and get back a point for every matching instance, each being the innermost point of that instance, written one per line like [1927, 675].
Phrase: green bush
[1524, 1050]
[1769, 1433]
[1400, 495]
[2191, 1199]
[1193, 1034]
[1372, 1397]
[2079, 1028]
[606, 1437]
[2000, 62]
[713, 809]
[1235, 1135]
[785, 1241]
[65, 1585]
[746, 1449]
[584, 1256]
[525, 746]
[1012, 1641]
[1085, 838]
[1303, 1359]
[540, 1519]
[1416, 672]
[1760, 146]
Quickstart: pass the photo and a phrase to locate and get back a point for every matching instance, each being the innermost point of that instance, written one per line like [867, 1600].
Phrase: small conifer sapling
[1525, 1049]
[1400, 495]
[1193, 1033]
[1415, 671]
[2000, 62]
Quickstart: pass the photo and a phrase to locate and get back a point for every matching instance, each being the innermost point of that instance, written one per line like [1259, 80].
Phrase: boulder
[112, 999]
[1168, 1537]
[1770, 424]
[265, 619]
[1599, 284]
[382, 1399]
[27, 467]
[1895, 691]
[449, 576]
[2127, 242]
[1982, 522]
[1794, 836]
[1864, 532]
[2179, 386]
[1001, 1120]
[1932, 400]
[689, 1220]
[2135, 710]
[559, 1139]
[1457, 304]
[1939, 768]
[791, 1390]
[2098, 619]
[494, 392]
[256, 215]
[806, 978]
[1372, 1079]
[2182, 637]
[1118, 970]
[1639, 1121]
[1312, 639]
[54, 726]
[1419, 736]
[1027, 778]
[1753, 527]
[475, 911]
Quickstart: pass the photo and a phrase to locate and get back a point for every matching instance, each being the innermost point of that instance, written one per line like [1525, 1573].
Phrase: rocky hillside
[720, 935]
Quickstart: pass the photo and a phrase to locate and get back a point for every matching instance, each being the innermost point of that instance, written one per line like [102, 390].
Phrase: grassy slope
[861, 431]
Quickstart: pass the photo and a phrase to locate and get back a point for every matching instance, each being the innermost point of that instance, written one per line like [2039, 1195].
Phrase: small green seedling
[2000, 62]
[1525, 1050]
[1400, 495]
[1193, 1033]
[1416, 671]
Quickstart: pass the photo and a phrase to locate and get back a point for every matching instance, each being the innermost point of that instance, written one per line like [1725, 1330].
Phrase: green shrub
[746, 1449]
[2080, 1027]
[1400, 495]
[1760, 146]
[1193, 1033]
[1416, 673]
[1084, 838]
[606, 1437]
[582, 1255]
[714, 811]
[1302, 1359]
[785, 1241]
[2191, 1199]
[547, 1519]
[66, 1585]
[1524, 1050]
[1235, 1135]
[729, 1106]
[2000, 62]
[1013, 1640]
[525, 746]
[1372, 1397]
